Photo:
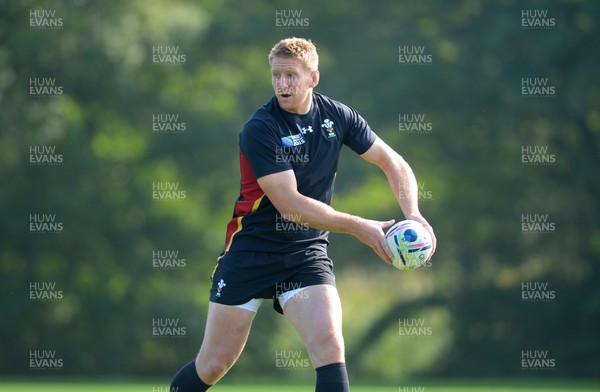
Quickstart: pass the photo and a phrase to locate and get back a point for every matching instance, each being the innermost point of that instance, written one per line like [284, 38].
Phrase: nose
[282, 82]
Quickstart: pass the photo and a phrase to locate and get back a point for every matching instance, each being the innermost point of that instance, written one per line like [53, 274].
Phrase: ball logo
[410, 235]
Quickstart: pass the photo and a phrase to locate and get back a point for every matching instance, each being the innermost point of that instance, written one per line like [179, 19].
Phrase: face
[293, 84]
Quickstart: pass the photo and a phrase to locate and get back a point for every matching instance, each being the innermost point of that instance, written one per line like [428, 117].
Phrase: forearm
[402, 181]
[403, 184]
[298, 208]
[318, 215]
[399, 174]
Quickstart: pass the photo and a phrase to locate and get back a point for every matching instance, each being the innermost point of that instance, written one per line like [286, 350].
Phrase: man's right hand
[371, 233]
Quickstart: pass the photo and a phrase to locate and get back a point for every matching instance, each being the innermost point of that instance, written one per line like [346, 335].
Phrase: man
[276, 243]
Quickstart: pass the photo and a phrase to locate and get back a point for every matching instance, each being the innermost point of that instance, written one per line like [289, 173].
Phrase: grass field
[283, 386]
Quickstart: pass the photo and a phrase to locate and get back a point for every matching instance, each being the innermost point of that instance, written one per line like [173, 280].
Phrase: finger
[382, 255]
[433, 241]
[387, 224]
[386, 248]
[429, 229]
[380, 251]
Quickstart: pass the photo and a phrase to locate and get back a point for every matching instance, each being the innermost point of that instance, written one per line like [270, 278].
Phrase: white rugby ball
[410, 243]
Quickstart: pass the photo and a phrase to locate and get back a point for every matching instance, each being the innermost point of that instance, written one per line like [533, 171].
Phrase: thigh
[242, 276]
[312, 268]
[316, 313]
[226, 333]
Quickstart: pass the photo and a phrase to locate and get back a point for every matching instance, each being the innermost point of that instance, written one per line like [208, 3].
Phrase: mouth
[285, 95]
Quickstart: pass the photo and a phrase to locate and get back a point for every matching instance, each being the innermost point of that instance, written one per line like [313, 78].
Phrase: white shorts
[255, 303]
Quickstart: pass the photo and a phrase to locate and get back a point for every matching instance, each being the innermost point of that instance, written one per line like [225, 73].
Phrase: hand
[421, 220]
[371, 233]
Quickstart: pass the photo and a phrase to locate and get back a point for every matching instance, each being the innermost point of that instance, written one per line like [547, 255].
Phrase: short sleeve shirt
[273, 141]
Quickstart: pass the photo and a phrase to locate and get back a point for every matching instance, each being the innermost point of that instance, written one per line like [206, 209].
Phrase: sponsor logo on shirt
[306, 130]
[292, 140]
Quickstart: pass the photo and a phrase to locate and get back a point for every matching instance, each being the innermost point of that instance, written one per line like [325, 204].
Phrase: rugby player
[276, 242]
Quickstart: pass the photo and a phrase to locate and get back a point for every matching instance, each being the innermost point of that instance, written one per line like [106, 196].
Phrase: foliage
[470, 163]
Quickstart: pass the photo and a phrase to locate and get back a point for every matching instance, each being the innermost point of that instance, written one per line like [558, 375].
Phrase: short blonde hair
[298, 48]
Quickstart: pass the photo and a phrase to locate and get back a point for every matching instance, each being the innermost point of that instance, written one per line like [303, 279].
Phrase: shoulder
[325, 101]
[333, 106]
[262, 127]
[261, 119]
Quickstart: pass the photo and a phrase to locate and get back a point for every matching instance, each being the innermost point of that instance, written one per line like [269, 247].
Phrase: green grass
[284, 386]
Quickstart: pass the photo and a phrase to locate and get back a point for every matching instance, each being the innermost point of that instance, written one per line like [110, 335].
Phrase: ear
[315, 75]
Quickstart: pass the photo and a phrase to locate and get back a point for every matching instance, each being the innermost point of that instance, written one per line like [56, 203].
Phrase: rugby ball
[410, 244]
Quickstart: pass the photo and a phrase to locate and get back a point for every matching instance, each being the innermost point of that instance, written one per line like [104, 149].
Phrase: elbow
[394, 164]
[287, 207]
[284, 211]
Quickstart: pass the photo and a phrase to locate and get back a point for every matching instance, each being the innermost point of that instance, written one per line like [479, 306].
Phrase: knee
[211, 370]
[327, 348]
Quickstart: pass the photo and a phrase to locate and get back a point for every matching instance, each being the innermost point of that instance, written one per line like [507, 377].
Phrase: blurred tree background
[475, 188]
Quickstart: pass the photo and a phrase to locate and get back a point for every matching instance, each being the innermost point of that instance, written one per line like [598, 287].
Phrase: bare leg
[316, 313]
[226, 333]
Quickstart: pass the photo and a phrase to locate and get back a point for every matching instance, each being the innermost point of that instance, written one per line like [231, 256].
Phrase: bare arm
[281, 189]
[401, 179]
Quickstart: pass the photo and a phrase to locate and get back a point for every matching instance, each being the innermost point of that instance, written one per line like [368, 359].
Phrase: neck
[304, 107]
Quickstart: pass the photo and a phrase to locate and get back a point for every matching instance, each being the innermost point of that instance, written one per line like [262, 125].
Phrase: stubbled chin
[291, 104]
[285, 102]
